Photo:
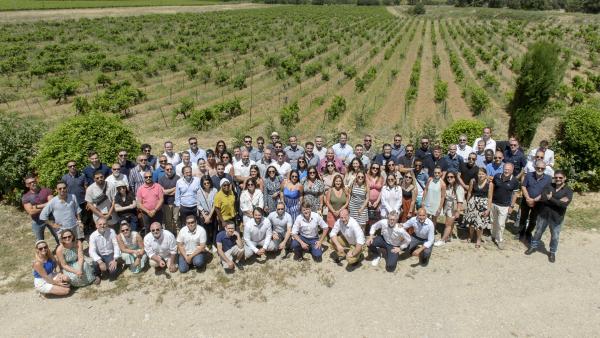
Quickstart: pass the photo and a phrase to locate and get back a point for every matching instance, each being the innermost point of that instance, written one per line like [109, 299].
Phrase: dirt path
[425, 107]
[463, 292]
[66, 14]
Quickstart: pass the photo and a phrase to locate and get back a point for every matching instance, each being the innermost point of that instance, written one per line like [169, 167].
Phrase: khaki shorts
[232, 255]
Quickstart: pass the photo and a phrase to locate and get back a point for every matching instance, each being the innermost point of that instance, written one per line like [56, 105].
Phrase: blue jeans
[112, 274]
[39, 228]
[541, 224]
[198, 261]
[314, 251]
[391, 259]
[425, 254]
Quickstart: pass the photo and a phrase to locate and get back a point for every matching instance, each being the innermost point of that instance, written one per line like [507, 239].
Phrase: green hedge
[471, 128]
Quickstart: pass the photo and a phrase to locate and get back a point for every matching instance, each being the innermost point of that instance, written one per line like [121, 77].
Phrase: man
[258, 235]
[160, 169]
[305, 234]
[274, 139]
[347, 238]
[433, 161]
[369, 150]
[264, 162]
[283, 167]
[359, 153]
[257, 153]
[424, 151]
[172, 157]
[539, 155]
[320, 149]
[95, 165]
[98, 200]
[248, 146]
[421, 242]
[293, 152]
[533, 186]
[462, 148]
[330, 157]
[147, 150]
[393, 239]
[503, 202]
[452, 161]
[342, 149]
[487, 138]
[553, 206]
[481, 151]
[216, 179]
[65, 209]
[241, 170]
[468, 171]
[497, 166]
[186, 162]
[548, 156]
[281, 223]
[515, 156]
[125, 164]
[186, 195]
[136, 175]
[161, 248]
[76, 185]
[421, 177]
[195, 152]
[170, 212]
[225, 204]
[385, 157]
[398, 149]
[191, 245]
[115, 178]
[149, 199]
[104, 249]
[34, 201]
[230, 247]
[312, 160]
[406, 162]
[278, 146]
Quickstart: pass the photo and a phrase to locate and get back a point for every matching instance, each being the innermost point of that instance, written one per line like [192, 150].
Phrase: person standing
[225, 204]
[487, 138]
[533, 186]
[136, 175]
[398, 149]
[342, 149]
[34, 202]
[125, 165]
[293, 152]
[462, 148]
[115, 178]
[65, 209]
[147, 150]
[503, 201]
[172, 157]
[98, 200]
[76, 185]
[320, 148]
[369, 150]
[195, 152]
[479, 204]
[170, 212]
[186, 195]
[95, 165]
[149, 200]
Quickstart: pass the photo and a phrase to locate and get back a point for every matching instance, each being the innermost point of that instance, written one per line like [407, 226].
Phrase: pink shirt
[150, 195]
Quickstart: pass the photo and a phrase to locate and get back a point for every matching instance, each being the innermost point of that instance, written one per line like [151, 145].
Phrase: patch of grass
[583, 212]
[11, 5]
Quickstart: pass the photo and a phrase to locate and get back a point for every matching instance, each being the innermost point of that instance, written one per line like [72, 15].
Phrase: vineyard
[305, 69]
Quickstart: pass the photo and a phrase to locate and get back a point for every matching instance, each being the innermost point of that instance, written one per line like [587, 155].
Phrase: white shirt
[257, 234]
[104, 244]
[308, 228]
[248, 202]
[112, 181]
[194, 157]
[342, 151]
[530, 168]
[180, 166]
[424, 230]
[93, 192]
[164, 246]
[321, 153]
[191, 241]
[394, 236]
[282, 169]
[548, 156]
[263, 165]
[174, 160]
[352, 232]
[280, 224]
[391, 199]
[464, 153]
[490, 144]
[239, 169]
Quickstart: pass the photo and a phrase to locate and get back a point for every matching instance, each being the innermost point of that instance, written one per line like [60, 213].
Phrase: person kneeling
[230, 248]
[305, 233]
[422, 239]
[258, 235]
[161, 248]
[191, 244]
[393, 239]
[347, 235]
[104, 249]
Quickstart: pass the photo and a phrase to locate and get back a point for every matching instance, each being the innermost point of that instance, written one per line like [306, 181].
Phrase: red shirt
[150, 195]
[33, 198]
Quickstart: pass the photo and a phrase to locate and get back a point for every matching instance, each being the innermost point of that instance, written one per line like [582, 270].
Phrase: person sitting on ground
[347, 235]
[230, 248]
[393, 239]
[305, 234]
[70, 256]
[281, 223]
[161, 248]
[191, 244]
[132, 248]
[423, 233]
[46, 279]
[104, 249]
[258, 235]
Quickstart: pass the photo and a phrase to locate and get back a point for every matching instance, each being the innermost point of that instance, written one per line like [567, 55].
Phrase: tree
[72, 140]
[440, 90]
[186, 105]
[418, 9]
[479, 101]
[496, 3]
[289, 115]
[60, 88]
[591, 6]
[471, 128]
[118, 98]
[542, 70]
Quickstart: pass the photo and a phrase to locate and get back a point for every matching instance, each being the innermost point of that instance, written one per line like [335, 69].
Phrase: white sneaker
[375, 262]
[439, 243]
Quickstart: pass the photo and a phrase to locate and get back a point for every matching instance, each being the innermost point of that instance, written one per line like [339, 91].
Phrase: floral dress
[312, 192]
[86, 278]
[477, 205]
[271, 187]
[128, 258]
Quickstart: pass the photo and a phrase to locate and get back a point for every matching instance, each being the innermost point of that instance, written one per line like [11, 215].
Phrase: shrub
[289, 115]
[479, 101]
[118, 98]
[471, 128]
[191, 72]
[418, 9]
[16, 151]
[72, 140]
[239, 82]
[204, 118]
[60, 88]
[350, 71]
[440, 90]
[337, 108]
[186, 105]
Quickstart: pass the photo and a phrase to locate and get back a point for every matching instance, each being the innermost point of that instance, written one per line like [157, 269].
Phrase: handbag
[373, 214]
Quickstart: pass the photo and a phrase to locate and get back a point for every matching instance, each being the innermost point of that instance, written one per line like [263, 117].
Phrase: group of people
[176, 210]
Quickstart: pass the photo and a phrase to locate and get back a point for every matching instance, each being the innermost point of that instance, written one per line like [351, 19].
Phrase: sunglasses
[115, 169]
[463, 140]
[67, 237]
[271, 171]
[168, 169]
[162, 161]
[250, 185]
[122, 155]
[40, 248]
[155, 230]
[331, 165]
[367, 140]
[125, 230]
[146, 177]
[498, 158]
[193, 143]
[313, 172]
[71, 166]
[540, 168]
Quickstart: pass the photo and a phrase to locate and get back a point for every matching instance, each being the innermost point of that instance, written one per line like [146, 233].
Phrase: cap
[121, 184]
[274, 134]
[224, 181]
[124, 222]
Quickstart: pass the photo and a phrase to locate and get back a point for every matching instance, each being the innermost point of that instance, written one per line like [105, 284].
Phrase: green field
[12, 5]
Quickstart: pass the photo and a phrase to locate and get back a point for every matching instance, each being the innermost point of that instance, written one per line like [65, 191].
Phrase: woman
[206, 208]
[291, 194]
[375, 182]
[336, 199]
[71, 259]
[390, 169]
[250, 199]
[354, 168]
[409, 197]
[220, 149]
[433, 199]
[255, 174]
[313, 190]
[391, 197]
[453, 204]
[202, 168]
[479, 205]
[211, 162]
[132, 248]
[125, 206]
[46, 279]
[359, 199]
[226, 160]
[328, 174]
[302, 168]
[272, 187]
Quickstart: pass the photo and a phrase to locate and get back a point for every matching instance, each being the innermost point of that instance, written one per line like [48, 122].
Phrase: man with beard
[34, 201]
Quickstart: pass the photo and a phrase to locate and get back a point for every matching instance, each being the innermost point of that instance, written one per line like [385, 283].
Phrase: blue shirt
[293, 154]
[89, 172]
[398, 152]
[198, 155]
[492, 169]
[451, 164]
[518, 160]
[64, 212]
[535, 185]
[186, 193]
[75, 185]
[157, 174]
[226, 242]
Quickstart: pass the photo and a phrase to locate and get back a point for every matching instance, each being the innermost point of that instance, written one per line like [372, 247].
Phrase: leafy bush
[204, 118]
[440, 90]
[471, 128]
[289, 115]
[72, 140]
[350, 71]
[118, 98]
[418, 9]
[16, 151]
[479, 101]
[186, 105]
[239, 82]
[337, 108]
[60, 88]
